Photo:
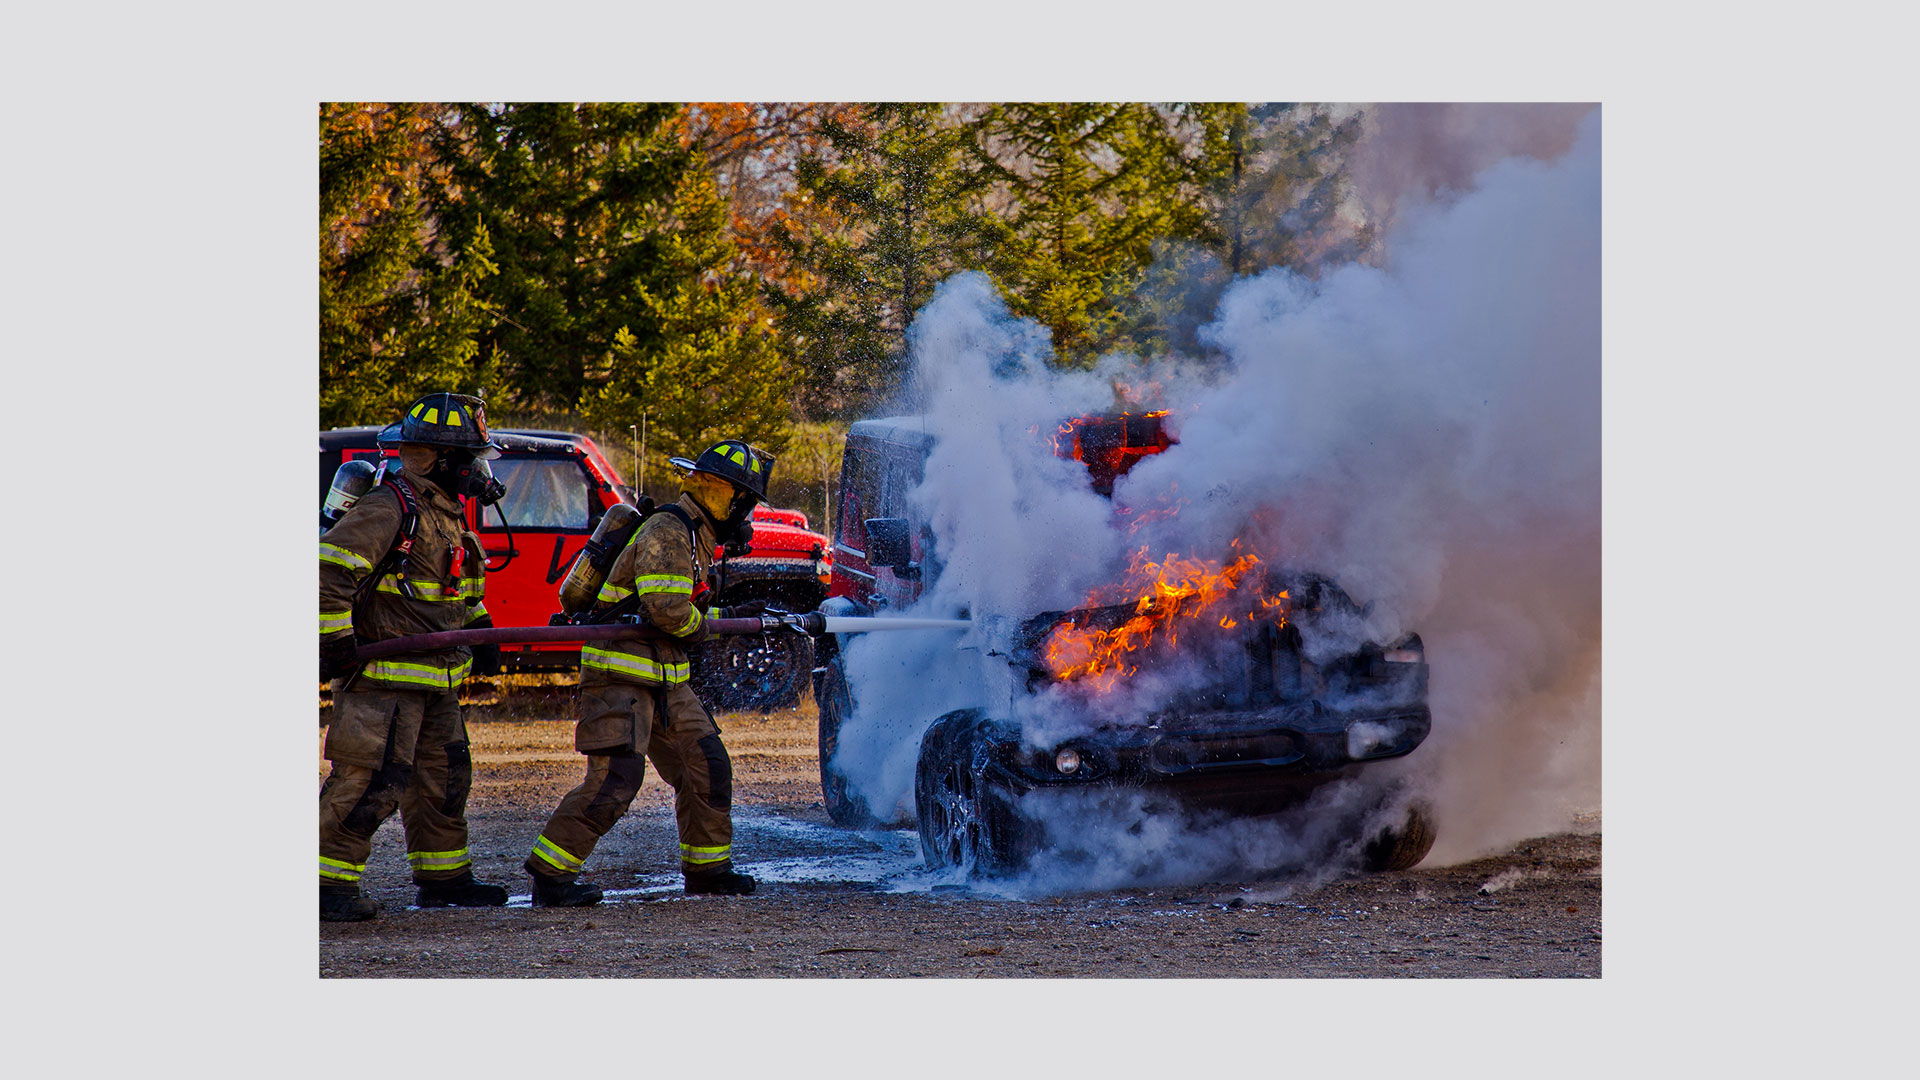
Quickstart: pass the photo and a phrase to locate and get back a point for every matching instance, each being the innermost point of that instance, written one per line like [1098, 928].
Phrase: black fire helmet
[735, 462]
[447, 421]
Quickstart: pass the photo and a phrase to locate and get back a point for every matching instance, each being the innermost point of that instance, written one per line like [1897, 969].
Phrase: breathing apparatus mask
[735, 531]
[459, 472]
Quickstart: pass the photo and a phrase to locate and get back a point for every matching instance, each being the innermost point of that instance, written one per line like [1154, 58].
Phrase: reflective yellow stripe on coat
[400, 671]
[636, 667]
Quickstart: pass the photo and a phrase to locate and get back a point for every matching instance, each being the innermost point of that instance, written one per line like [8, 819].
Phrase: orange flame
[1167, 597]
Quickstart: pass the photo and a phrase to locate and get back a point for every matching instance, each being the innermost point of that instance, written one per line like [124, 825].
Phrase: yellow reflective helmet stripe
[433, 416]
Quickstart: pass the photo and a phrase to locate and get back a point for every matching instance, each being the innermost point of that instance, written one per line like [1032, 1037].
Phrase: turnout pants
[396, 749]
[621, 726]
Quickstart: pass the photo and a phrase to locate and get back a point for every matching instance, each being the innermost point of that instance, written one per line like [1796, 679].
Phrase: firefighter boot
[462, 891]
[557, 892]
[720, 879]
[343, 903]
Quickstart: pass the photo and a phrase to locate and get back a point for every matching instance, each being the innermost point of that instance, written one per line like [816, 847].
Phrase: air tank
[350, 481]
[581, 587]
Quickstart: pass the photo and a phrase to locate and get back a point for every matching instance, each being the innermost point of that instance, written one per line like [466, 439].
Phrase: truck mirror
[887, 544]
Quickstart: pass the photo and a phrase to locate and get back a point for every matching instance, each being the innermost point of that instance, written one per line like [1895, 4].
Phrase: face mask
[465, 475]
[478, 482]
[735, 529]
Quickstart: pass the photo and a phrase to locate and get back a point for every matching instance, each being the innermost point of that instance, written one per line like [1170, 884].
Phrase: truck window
[904, 468]
[542, 493]
[859, 489]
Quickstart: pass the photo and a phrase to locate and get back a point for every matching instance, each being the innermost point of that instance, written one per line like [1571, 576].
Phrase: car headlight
[1067, 761]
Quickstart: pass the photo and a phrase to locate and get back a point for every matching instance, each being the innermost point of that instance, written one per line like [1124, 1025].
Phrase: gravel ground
[840, 903]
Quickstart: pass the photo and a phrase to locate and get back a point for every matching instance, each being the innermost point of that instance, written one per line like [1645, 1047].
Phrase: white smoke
[1425, 432]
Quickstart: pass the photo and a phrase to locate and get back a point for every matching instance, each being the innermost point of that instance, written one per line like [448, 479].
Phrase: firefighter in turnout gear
[635, 703]
[401, 561]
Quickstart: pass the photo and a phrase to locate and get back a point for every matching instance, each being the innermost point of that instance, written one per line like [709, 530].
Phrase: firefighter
[635, 703]
[401, 561]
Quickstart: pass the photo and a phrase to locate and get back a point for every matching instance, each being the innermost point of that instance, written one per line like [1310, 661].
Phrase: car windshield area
[542, 493]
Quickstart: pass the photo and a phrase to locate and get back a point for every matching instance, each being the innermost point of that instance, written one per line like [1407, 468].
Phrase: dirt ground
[836, 903]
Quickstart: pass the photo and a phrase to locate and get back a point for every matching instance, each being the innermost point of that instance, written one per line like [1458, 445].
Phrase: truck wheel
[1401, 847]
[762, 672]
[836, 704]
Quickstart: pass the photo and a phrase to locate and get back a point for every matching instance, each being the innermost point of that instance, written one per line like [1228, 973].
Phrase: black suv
[1271, 729]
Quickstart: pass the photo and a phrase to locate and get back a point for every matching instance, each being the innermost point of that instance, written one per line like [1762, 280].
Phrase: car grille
[1248, 751]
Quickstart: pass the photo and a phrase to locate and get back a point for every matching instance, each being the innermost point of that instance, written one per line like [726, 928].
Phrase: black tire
[835, 701]
[964, 820]
[1401, 847]
[761, 671]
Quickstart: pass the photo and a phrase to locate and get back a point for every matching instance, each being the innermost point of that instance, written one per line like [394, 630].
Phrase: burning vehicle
[1291, 701]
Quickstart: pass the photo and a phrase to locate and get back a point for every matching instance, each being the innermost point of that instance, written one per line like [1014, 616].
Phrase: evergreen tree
[711, 366]
[1271, 177]
[1085, 189]
[399, 315]
[578, 201]
[895, 212]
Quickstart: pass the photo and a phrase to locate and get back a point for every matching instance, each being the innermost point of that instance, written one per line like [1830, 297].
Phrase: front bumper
[1252, 761]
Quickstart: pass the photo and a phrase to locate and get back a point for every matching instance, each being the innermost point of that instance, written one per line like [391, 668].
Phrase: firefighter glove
[486, 659]
[752, 609]
[336, 656]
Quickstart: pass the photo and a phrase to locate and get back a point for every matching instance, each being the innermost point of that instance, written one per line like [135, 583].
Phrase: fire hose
[812, 623]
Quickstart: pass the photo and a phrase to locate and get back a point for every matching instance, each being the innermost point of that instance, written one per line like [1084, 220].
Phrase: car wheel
[1401, 847]
[836, 704]
[964, 819]
[944, 796]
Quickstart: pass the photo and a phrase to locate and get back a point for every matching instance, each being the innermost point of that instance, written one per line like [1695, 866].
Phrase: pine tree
[1271, 177]
[711, 366]
[894, 213]
[1085, 189]
[399, 314]
[578, 202]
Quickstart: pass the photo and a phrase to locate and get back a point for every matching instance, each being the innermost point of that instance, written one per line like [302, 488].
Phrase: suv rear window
[542, 493]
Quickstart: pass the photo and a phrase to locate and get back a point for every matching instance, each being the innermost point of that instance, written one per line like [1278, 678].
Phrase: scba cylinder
[350, 481]
[581, 587]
